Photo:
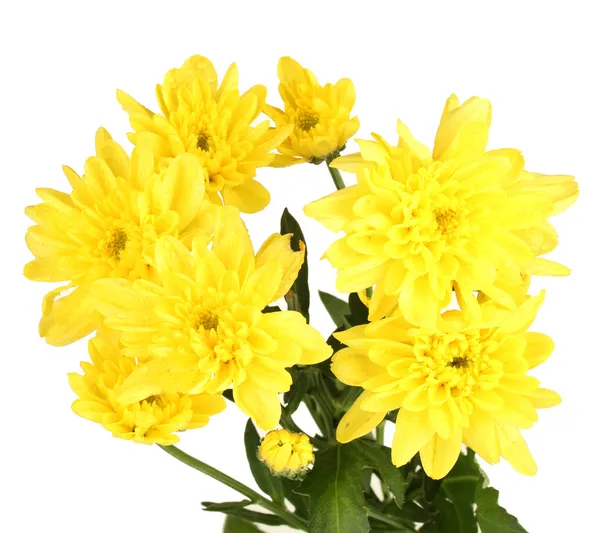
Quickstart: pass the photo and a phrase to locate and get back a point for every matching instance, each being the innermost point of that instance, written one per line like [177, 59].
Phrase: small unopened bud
[287, 454]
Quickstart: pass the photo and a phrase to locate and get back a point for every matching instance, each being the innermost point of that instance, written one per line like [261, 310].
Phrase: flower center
[116, 243]
[308, 121]
[447, 220]
[206, 320]
[460, 362]
[155, 399]
[202, 142]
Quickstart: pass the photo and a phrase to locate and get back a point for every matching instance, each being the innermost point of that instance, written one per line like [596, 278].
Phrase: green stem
[336, 176]
[289, 518]
[380, 433]
[386, 519]
[287, 422]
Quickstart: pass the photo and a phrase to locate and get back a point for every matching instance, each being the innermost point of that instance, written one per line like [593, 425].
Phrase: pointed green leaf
[224, 507]
[238, 509]
[337, 503]
[336, 307]
[493, 518]
[268, 483]
[299, 297]
[359, 312]
[299, 501]
[236, 525]
[380, 459]
[296, 394]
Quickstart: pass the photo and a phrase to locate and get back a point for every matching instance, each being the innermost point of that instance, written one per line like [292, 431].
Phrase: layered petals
[154, 419]
[419, 226]
[215, 125]
[465, 381]
[199, 324]
[107, 227]
[318, 116]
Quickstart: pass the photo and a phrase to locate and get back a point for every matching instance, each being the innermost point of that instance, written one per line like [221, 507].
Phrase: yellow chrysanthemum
[464, 381]
[107, 227]
[320, 115]
[214, 123]
[287, 454]
[151, 420]
[202, 321]
[419, 225]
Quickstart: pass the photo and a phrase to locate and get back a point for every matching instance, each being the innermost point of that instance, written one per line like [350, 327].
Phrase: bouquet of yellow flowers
[435, 248]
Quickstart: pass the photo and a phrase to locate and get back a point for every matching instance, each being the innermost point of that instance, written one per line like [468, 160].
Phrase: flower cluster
[419, 228]
[152, 252]
[437, 249]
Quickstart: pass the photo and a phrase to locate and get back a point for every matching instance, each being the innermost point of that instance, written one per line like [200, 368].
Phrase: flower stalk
[289, 518]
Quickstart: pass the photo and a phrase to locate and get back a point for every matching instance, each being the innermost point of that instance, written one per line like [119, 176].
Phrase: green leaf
[268, 483]
[236, 525]
[336, 307]
[359, 312]
[337, 503]
[299, 297]
[335, 489]
[296, 394]
[299, 501]
[271, 309]
[455, 517]
[410, 512]
[238, 510]
[491, 517]
[228, 394]
[224, 507]
[380, 459]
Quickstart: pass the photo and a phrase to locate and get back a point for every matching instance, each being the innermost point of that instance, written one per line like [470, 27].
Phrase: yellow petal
[69, 318]
[250, 197]
[481, 436]
[545, 398]
[514, 449]
[439, 455]
[539, 348]
[184, 187]
[277, 248]
[356, 422]
[463, 131]
[172, 257]
[260, 404]
[353, 367]
[413, 432]
[407, 140]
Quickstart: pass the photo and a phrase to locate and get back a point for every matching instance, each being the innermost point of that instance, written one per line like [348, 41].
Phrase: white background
[60, 65]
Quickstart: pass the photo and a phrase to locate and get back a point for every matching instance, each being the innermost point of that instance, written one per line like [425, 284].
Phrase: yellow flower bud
[287, 454]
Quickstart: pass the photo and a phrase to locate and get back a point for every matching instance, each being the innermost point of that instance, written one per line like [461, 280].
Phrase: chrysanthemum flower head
[320, 115]
[152, 420]
[107, 227]
[202, 323]
[419, 225]
[287, 454]
[215, 124]
[464, 381]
